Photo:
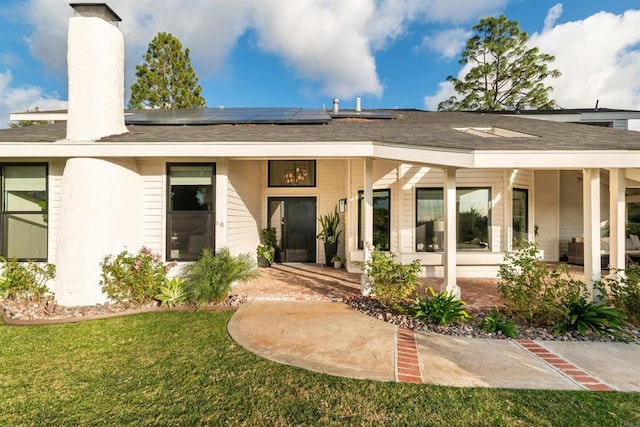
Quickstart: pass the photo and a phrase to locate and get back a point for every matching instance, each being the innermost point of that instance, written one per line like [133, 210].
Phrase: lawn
[181, 368]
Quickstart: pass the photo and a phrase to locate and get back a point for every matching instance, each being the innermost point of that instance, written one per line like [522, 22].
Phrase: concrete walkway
[332, 338]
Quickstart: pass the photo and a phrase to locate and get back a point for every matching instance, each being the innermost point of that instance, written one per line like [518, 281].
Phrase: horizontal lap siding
[152, 173]
[244, 205]
[56, 168]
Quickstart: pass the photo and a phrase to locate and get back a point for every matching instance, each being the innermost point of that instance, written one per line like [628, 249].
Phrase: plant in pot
[267, 249]
[330, 233]
[337, 261]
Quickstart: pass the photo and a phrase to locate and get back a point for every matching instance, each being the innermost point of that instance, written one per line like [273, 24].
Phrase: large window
[472, 211]
[381, 219]
[520, 208]
[292, 173]
[191, 210]
[23, 211]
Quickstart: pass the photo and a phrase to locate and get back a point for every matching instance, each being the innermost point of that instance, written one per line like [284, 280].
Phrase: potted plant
[330, 233]
[267, 249]
[337, 261]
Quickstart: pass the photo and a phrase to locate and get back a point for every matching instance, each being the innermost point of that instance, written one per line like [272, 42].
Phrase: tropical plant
[267, 252]
[495, 322]
[442, 308]
[584, 316]
[133, 278]
[391, 282]
[172, 293]
[25, 280]
[269, 237]
[505, 73]
[330, 227]
[166, 79]
[211, 277]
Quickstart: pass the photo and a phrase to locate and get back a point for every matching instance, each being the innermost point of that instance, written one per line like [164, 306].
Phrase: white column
[450, 232]
[222, 188]
[617, 219]
[367, 205]
[591, 226]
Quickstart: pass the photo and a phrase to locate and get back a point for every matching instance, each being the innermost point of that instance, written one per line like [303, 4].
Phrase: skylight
[494, 132]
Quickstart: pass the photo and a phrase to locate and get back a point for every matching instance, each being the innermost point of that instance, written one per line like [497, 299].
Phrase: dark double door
[294, 219]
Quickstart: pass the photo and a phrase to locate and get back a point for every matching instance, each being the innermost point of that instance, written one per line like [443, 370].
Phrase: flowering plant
[133, 278]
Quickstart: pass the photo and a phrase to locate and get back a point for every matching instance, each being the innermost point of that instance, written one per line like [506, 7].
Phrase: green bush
[442, 308]
[584, 316]
[495, 322]
[172, 293]
[210, 278]
[391, 282]
[25, 280]
[623, 292]
[534, 294]
[134, 279]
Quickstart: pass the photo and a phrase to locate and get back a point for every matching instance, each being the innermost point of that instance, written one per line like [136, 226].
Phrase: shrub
[584, 316]
[210, 278]
[495, 322]
[25, 279]
[533, 293]
[623, 292]
[391, 282]
[135, 279]
[172, 293]
[442, 308]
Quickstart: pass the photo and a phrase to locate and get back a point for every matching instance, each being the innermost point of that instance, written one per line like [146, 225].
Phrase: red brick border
[566, 368]
[407, 363]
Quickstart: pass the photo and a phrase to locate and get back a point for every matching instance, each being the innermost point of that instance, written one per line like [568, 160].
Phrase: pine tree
[507, 75]
[166, 79]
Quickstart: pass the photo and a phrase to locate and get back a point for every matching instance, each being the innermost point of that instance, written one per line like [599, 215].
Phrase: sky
[304, 53]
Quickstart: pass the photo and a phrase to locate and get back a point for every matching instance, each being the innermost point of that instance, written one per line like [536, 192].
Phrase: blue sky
[391, 53]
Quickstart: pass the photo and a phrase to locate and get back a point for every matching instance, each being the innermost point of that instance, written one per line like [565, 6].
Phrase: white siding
[547, 216]
[331, 188]
[56, 168]
[153, 175]
[244, 205]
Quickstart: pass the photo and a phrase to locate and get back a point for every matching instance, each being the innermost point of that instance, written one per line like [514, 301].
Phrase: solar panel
[205, 116]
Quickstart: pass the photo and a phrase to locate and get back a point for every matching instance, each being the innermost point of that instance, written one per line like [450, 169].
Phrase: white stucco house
[450, 189]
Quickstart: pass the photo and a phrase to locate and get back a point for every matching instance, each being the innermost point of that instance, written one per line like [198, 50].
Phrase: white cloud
[21, 98]
[552, 17]
[444, 92]
[599, 58]
[448, 43]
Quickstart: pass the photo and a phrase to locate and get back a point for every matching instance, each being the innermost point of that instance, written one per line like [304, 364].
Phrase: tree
[166, 80]
[507, 75]
[23, 123]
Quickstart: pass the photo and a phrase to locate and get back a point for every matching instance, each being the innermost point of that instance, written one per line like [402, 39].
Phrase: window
[381, 219]
[429, 220]
[292, 173]
[23, 211]
[520, 206]
[473, 208]
[191, 210]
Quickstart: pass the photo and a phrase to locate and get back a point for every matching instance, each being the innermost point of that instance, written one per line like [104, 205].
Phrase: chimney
[336, 105]
[358, 105]
[95, 59]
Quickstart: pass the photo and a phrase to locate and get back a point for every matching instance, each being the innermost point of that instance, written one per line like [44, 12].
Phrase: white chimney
[95, 59]
[358, 105]
[336, 105]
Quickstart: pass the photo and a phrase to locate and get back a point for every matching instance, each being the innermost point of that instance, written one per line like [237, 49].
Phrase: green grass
[181, 368]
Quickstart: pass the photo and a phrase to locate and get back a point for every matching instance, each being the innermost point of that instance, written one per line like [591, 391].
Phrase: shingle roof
[410, 127]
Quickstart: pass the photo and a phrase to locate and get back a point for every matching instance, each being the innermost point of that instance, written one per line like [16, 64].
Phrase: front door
[294, 219]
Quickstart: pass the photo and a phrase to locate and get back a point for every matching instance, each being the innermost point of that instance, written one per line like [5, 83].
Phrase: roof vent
[358, 104]
[336, 105]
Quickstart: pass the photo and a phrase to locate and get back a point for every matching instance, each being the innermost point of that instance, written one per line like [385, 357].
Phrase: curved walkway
[332, 338]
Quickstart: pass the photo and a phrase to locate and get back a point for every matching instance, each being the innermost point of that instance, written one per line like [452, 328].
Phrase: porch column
[617, 219]
[591, 226]
[450, 232]
[222, 179]
[367, 205]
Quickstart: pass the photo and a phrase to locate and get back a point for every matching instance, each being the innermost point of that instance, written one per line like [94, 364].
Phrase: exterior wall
[244, 206]
[153, 174]
[547, 215]
[55, 183]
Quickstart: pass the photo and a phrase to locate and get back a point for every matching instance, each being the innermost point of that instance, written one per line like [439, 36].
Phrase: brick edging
[563, 366]
[407, 362]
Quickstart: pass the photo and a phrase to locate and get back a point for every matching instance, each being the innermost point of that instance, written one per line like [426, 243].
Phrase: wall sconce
[342, 205]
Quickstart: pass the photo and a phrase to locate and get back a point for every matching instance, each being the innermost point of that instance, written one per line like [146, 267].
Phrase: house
[450, 189]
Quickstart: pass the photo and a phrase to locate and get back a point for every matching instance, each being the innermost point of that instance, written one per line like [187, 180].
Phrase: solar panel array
[208, 116]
